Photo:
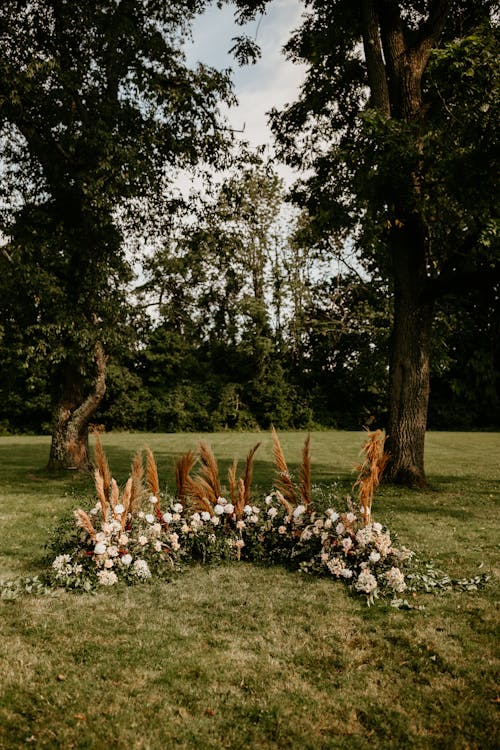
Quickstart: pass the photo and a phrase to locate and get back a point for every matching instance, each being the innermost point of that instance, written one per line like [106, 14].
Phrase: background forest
[238, 306]
[238, 321]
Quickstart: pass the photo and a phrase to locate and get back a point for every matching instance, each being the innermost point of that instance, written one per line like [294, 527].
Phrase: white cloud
[271, 82]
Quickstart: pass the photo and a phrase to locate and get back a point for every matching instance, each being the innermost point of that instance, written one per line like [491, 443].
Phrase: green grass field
[240, 656]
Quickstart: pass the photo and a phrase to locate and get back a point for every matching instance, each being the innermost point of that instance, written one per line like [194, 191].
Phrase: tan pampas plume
[183, 467]
[84, 522]
[233, 482]
[210, 472]
[284, 502]
[101, 464]
[305, 474]
[137, 473]
[241, 501]
[196, 497]
[152, 481]
[101, 494]
[249, 473]
[284, 480]
[370, 472]
[114, 495]
[126, 501]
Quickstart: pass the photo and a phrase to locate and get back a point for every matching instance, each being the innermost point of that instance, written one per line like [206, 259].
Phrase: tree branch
[375, 65]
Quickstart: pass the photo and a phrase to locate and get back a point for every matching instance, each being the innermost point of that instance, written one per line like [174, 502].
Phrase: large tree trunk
[410, 356]
[70, 436]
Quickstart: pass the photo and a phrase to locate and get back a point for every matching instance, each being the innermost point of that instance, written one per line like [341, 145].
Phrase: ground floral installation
[138, 534]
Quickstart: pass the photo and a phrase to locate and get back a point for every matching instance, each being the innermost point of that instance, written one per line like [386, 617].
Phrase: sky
[271, 82]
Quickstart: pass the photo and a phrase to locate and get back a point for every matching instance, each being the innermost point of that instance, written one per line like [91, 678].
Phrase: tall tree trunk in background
[409, 369]
[70, 437]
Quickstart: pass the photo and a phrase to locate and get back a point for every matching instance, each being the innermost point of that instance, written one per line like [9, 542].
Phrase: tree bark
[409, 369]
[70, 436]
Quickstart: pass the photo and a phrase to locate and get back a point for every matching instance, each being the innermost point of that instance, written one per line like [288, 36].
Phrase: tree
[97, 111]
[397, 123]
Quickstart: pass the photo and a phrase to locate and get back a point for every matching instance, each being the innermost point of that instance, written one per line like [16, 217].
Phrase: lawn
[244, 656]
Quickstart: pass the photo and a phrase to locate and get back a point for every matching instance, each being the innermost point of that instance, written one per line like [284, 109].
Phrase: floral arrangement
[138, 534]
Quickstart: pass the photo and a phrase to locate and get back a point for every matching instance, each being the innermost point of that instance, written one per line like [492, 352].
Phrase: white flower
[157, 546]
[366, 582]
[281, 530]
[332, 515]
[107, 577]
[185, 528]
[306, 534]
[153, 499]
[100, 548]
[328, 523]
[346, 573]
[324, 557]
[396, 580]
[123, 540]
[196, 517]
[167, 517]
[126, 559]
[140, 514]
[364, 536]
[340, 528]
[176, 517]
[142, 540]
[115, 526]
[299, 511]
[272, 512]
[269, 499]
[239, 543]
[346, 544]
[335, 566]
[374, 557]
[215, 520]
[319, 523]
[248, 510]
[255, 510]
[178, 507]
[350, 517]
[383, 544]
[221, 500]
[108, 563]
[93, 512]
[377, 527]
[113, 551]
[229, 508]
[253, 519]
[155, 530]
[119, 509]
[149, 518]
[205, 515]
[62, 566]
[240, 525]
[141, 569]
[218, 509]
[174, 541]
[107, 528]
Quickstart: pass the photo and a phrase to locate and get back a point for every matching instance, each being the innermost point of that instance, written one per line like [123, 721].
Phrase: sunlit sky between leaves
[271, 82]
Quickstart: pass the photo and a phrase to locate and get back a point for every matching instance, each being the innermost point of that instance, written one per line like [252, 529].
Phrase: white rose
[150, 518]
[229, 508]
[218, 509]
[205, 515]
[126, 559]
[100, 548]
[167, 517]
[119, 508]
[178, 507]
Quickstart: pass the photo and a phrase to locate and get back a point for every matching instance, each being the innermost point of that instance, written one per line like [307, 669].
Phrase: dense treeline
[238, 324]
